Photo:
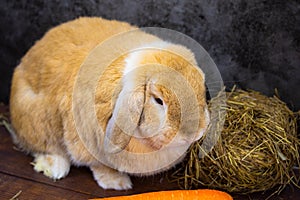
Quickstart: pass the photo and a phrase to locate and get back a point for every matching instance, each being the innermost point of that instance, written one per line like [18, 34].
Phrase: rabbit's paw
[52, 166]
[111, 179]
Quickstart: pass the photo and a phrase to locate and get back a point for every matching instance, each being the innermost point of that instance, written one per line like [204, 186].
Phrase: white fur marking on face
[134, 58]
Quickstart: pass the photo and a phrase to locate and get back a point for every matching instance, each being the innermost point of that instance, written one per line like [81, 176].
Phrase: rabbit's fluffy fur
[43, 119]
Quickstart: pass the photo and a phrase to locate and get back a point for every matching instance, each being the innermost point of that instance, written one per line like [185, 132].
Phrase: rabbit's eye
[159, 101]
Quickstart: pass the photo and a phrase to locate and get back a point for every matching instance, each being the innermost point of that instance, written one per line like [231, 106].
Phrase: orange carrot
[202, 194]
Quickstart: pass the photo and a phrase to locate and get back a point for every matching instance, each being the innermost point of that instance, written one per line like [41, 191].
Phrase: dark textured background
[255, 44]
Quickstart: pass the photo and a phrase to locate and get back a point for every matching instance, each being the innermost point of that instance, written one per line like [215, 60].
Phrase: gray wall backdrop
[255, 44]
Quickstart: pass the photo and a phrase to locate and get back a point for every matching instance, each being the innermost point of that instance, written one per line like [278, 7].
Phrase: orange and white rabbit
[42, 113]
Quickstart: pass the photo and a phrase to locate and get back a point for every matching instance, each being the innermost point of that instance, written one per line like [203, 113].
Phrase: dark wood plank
[15, 166]
[80, 179]
[10, 186]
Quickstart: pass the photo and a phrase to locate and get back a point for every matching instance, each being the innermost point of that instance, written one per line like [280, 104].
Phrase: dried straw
[256, 150]
[5, 122]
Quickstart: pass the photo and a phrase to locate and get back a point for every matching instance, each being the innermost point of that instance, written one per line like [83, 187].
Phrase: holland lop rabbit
[43, 114]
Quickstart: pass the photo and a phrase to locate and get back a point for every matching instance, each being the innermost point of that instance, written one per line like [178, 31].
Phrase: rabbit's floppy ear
[125, 118]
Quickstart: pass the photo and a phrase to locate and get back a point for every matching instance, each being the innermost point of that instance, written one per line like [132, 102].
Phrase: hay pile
[256, 150]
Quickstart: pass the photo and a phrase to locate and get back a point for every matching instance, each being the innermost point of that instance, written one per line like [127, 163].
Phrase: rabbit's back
[55, 59]
[45, 78]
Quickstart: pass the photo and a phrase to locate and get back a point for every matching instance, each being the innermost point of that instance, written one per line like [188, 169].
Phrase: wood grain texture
[11, 185]
[16, 174]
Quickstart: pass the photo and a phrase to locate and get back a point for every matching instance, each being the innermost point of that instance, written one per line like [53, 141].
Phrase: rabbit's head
[161, 103]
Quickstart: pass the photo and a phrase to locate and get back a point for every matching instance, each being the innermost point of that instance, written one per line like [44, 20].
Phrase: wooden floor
[17, 177]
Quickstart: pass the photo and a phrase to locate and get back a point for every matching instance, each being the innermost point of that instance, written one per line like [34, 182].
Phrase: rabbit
[130, 94]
